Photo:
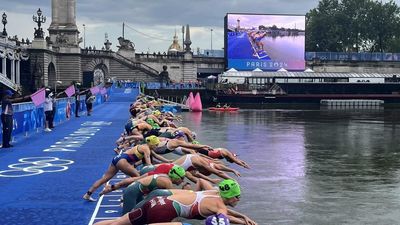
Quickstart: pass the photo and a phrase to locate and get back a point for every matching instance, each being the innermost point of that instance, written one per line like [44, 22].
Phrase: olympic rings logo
[36, 165]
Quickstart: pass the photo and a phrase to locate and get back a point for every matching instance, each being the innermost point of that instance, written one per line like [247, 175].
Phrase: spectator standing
[48, 110]
[7, 113]
[53, 99]
[90, 98]
[7, 118]
[77, 102]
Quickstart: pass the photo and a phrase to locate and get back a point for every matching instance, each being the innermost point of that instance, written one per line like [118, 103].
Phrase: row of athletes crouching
[151, 195]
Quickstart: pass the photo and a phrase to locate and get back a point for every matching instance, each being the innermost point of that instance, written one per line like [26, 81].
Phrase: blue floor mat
[43, 177]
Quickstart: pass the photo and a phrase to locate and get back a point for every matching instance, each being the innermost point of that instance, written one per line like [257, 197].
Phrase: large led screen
[267, 42]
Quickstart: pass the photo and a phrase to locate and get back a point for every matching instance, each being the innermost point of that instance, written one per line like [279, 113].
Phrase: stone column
[55, 5]
[4, 61]
[13, 70]
[71, 12]
[18, 73]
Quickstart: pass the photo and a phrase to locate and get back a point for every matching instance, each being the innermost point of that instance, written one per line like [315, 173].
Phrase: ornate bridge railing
[143, 67]
[11, 55]
[123, 60]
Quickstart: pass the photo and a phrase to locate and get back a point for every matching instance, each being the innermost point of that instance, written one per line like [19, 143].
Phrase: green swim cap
[229, 188]
[195, 142]
[153, 124]
[177, 172]
[150, 121]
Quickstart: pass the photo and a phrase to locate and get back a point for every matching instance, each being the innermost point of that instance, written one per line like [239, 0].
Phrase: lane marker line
[99, 205]
[96, 210]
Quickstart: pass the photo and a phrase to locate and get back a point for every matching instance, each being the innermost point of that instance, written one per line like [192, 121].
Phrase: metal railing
[171, 101]
[353, 56]
[141, 66]
[121, 59]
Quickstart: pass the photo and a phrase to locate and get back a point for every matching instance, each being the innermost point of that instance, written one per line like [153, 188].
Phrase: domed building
[174, 48]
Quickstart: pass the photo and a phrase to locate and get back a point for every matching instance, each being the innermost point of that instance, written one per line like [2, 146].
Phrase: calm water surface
[285, 47]
[322, 166]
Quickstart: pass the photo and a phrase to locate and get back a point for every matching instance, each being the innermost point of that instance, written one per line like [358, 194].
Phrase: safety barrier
[157, 85]
[353, 56]
[28, 119]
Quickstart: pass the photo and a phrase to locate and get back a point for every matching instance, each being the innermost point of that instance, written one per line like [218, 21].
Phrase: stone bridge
[11, 57]
[91, 67]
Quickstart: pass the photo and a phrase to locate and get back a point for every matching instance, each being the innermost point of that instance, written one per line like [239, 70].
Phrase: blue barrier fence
[353, 56]
[157, 85]
[28, 118]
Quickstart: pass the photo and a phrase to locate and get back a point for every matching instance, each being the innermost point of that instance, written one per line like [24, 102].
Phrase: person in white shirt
[48, 109]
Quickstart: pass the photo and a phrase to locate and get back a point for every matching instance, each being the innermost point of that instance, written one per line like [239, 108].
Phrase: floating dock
[351, 102]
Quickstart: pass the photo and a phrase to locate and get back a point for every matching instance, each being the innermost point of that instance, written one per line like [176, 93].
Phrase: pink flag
[39, 97]
[103, 91]
[94, 90]
[70, 91]
[189, 100]
[196, 104]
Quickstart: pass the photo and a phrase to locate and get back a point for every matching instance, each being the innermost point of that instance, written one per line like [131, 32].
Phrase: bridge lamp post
[84, 36]
[183, 37]
[39, 19]
[211, 43]
[4, 21]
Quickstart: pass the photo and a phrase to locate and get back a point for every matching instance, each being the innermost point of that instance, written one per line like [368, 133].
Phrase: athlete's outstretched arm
[202, 185]
[191, 177]
[202, 176]
[243, 217]
[227, 169]
[123, 220]
[171, 223]
[147, 152]
[161, 158]
[188, 150]
[218, 172]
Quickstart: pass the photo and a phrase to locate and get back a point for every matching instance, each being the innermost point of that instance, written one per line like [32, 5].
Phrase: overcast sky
[156, 20]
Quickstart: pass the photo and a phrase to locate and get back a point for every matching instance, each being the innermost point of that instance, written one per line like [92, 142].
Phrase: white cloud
[155, 18]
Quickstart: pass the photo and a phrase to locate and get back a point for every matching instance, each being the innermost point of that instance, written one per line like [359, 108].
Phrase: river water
[285, 47]
[319, 166]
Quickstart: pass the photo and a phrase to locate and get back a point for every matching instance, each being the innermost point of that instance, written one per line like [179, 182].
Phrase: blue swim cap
[218, 219]
[178, 134]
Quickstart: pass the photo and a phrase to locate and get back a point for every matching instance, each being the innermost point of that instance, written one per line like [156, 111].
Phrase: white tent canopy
[232, 70]
[257, 70]
[282, 70]
[308, 70]
[211, 77]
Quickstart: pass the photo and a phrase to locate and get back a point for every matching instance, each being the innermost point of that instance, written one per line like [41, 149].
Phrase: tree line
[353, 26]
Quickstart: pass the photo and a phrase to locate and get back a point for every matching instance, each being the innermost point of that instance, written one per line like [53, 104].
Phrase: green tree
[353, 25]
[321, 29]
[383, 29]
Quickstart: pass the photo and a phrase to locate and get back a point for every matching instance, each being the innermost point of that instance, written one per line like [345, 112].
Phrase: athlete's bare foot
[89, 198]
